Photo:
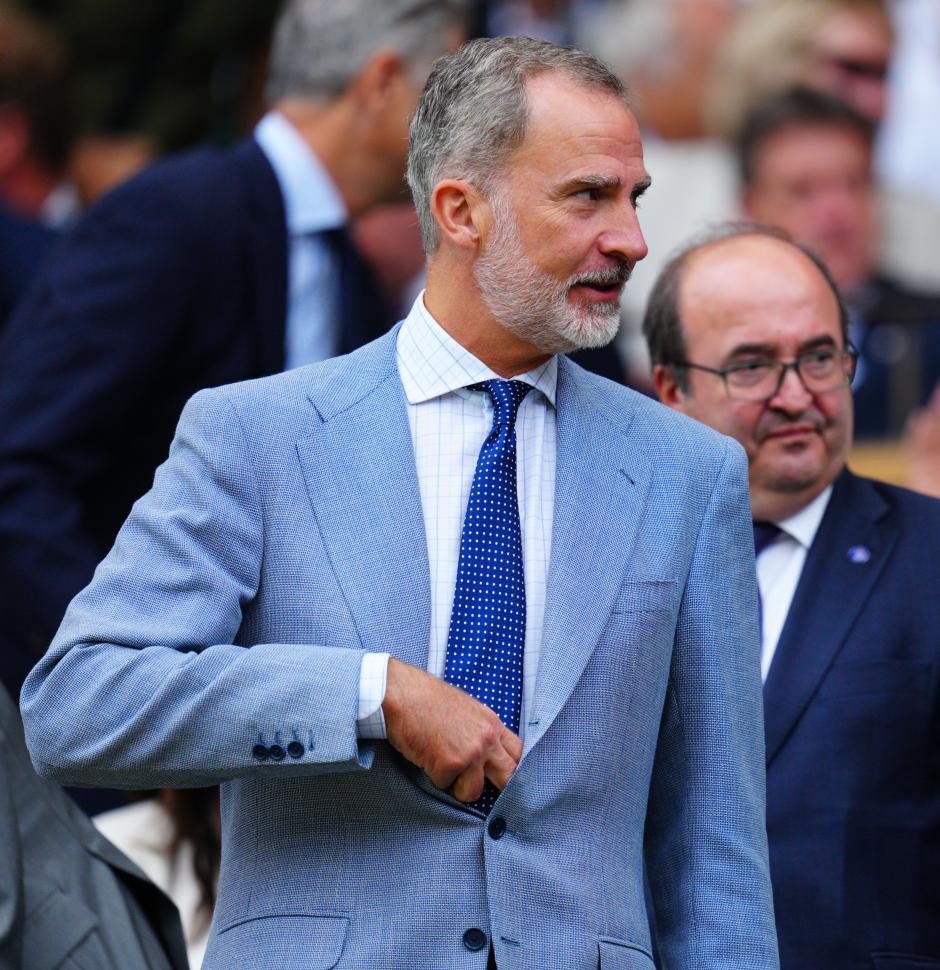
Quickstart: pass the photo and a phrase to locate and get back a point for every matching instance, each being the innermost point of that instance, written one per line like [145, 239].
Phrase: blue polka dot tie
[486, 639]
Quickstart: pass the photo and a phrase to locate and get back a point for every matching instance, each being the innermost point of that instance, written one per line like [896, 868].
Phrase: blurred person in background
[209, 268]
[847, 49]
[805, 161]
[748, 335]
[175, 838]
[666, 50]
[155, 76]
[69, 900]
[34, 142]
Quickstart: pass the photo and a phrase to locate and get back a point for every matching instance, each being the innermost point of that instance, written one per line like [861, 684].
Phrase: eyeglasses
[758, 380]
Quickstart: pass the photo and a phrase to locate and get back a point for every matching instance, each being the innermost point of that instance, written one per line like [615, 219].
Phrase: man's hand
[456, 740]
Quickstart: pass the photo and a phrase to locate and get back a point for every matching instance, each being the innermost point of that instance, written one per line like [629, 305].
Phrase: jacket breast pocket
[647, 595]
[310, 941]
[622, 955]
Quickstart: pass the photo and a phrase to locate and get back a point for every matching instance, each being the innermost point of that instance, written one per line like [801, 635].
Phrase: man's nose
[623, 238]
[792, 396]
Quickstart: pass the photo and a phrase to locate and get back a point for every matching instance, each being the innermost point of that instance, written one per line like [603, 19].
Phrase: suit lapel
[829, 597]
[360, 470]
[600, 491]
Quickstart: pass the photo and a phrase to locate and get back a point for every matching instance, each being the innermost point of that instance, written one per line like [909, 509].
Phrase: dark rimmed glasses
[826, 369]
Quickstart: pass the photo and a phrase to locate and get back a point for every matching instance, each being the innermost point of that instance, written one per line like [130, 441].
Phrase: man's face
[815, 182]
[751, 298]
[564, 236]
[849, 57]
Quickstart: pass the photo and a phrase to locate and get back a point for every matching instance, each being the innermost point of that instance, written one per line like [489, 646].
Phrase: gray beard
[533, 305]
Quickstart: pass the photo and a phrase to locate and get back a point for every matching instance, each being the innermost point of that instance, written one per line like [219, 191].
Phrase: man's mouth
[602, 286]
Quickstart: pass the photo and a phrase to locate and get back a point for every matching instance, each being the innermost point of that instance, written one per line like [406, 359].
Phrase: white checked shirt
[448, 427]
[778, 572]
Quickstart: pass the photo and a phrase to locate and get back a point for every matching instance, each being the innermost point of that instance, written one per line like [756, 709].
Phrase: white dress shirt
[448, 427]
[312, 204]
[778, 572]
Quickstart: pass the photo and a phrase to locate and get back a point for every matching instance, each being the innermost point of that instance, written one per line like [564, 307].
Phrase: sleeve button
[259, 752]
[295, 749]
[276, 752]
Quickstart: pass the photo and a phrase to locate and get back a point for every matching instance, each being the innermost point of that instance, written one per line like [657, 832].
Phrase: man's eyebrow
[605, 182]
[769, 351]
[641, 187]
[817, 342]
[752, 350]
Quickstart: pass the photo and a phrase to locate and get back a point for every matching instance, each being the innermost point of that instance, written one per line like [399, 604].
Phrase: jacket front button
[474, 939]
[260, 752]
[276, 752]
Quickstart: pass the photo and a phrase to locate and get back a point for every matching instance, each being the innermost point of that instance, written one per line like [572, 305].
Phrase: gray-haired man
[466, 633]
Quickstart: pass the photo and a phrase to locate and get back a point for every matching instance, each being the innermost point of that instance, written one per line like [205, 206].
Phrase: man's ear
[461, 212]
[667, 388]
[375, 84]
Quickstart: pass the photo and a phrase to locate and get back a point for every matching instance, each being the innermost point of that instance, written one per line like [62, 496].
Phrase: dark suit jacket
[68, 899]
[852, 713]
[23, 247]
[174, 282]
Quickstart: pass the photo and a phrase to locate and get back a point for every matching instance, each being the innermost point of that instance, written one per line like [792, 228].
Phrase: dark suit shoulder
[908, 509]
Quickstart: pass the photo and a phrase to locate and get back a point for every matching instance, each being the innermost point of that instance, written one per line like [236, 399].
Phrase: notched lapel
[601, 483]
[360, 471]
[831, 593]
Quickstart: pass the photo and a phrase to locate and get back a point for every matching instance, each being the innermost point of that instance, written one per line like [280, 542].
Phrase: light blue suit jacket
[282, 539]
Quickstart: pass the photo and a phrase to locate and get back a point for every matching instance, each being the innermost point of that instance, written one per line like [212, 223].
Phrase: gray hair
[662, 324]
[320, 46]
[474, 112]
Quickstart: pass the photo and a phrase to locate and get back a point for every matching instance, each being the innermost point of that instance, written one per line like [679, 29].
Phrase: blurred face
[753, 298]
[815, 182]
[563, 236]
[849, 58]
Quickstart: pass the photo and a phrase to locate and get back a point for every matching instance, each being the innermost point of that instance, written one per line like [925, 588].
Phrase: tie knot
[764, 534]
[506, 397]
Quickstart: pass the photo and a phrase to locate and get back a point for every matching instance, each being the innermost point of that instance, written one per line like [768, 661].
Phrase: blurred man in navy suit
[748, 334]
[209, 268]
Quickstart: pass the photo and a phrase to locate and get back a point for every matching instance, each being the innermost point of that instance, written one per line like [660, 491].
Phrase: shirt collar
[312, 202]
[805, 524]
[432, 363]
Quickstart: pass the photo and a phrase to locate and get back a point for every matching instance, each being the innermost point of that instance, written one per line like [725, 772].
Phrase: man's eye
[592, 195]
[750, 372]
[819, 362]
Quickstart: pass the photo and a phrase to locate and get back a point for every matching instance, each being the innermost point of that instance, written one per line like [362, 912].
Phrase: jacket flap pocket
[904, 961]
[276, 941]
[642, 595]
[54, 928]
[622, 955]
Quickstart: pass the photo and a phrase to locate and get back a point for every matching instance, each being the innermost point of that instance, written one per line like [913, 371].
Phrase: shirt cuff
[371, 720]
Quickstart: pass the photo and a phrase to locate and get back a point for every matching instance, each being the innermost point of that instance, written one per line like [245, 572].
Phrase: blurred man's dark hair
[797, 107]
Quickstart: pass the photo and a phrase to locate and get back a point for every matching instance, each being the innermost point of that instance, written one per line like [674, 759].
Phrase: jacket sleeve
[706, 844]
[145, 686]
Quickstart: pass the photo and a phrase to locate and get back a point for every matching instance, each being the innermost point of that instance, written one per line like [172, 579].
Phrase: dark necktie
[764, 534]
[362, 312]
[486, 639]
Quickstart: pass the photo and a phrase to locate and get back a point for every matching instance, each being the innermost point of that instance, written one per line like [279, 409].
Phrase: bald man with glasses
[747, 333]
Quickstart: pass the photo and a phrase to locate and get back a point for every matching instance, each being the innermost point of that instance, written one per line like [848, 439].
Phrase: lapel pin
[859, 554]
